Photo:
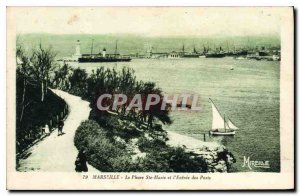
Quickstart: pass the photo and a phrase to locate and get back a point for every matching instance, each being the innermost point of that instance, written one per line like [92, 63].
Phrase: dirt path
[58, 153]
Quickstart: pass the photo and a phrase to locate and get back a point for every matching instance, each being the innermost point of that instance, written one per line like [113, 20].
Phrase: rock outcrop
[217, 157]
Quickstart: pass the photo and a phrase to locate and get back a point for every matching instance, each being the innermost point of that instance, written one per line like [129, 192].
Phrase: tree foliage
[42, 63]
[35, 105]
[110, 81]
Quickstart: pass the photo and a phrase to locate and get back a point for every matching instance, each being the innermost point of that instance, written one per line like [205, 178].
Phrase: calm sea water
[248, 95]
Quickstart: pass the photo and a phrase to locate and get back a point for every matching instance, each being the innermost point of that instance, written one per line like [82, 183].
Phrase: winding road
[58, 153]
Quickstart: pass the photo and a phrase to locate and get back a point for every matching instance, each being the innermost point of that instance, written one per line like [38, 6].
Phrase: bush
[148, 145]
[170, 159]
[102, 153]
[181, 161]
[123, 164]
[114, 125]
[108, 155]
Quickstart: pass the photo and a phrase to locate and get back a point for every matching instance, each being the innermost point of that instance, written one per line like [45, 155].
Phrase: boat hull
[191, 56]
[222, 133]
[103, 60]
[217, 55]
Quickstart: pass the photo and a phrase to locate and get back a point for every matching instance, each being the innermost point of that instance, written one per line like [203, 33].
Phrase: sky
[148, 21]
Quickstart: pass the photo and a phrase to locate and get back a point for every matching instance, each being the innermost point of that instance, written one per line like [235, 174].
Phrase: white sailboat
[219, 124]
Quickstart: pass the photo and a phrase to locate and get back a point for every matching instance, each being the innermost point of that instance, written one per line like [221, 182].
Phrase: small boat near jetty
[221, 126]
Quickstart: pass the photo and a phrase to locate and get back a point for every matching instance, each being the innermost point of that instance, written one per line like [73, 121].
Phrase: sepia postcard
[150, 98]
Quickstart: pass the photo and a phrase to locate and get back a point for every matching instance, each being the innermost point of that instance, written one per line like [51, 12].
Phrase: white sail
[231, 125]
[217, 121]
[227, 126]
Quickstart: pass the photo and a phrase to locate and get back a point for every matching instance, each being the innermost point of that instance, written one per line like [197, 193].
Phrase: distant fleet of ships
[272, 54]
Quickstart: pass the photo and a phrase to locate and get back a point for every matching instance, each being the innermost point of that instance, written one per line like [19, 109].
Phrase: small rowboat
[219, 124]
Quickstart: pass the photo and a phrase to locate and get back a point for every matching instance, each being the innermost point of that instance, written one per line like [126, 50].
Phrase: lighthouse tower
[104, 52]
[77, 51]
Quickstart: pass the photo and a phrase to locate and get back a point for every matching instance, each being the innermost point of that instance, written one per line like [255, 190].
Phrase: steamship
[100, 57]
[218, 53]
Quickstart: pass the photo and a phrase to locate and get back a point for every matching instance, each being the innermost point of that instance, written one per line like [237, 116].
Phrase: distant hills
[64, 44]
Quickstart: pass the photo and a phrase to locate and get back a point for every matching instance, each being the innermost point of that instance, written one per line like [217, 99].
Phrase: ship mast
[92, 46]
[248, 42]
[116, 49]
[225, 124]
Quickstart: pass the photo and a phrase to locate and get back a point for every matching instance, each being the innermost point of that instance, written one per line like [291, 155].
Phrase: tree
[61, 77]
[78, 82]
[124, 82]
[32, 112]
[42, 61]
[24, 78]
[155, 111]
